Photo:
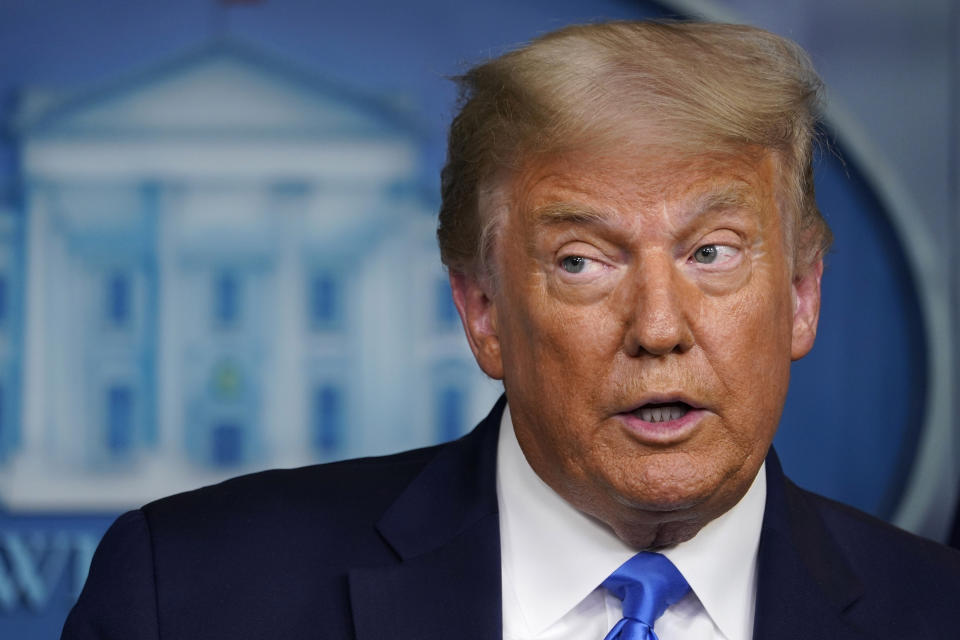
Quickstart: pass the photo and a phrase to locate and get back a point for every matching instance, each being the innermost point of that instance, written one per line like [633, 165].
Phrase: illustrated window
[327, 418]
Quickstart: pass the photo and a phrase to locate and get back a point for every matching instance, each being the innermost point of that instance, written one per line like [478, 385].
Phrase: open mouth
[662, 412]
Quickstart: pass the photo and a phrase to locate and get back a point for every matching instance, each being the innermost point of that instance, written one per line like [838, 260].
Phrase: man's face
[643, 319]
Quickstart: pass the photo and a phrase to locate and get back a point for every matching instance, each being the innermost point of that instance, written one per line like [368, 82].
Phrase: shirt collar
[553, 556]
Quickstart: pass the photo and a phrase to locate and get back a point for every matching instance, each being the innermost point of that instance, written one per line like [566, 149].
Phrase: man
[635, 250]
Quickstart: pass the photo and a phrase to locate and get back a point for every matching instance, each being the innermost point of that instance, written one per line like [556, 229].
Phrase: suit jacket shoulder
[899, 571]
[362, 548]
[245, 558]
[829, 570]
[319, 504]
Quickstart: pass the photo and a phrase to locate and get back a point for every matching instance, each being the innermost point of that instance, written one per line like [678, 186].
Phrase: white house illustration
[221, 264]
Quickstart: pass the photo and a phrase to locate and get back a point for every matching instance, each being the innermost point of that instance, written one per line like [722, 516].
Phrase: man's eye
[710, 253]
[706, 254]
[574, 264]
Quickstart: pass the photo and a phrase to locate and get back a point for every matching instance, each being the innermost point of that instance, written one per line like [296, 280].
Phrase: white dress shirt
[553, 559]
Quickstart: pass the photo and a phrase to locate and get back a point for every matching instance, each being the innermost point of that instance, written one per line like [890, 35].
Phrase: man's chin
[679, 513]
[668, 488]
[664, 507]
[660, 536]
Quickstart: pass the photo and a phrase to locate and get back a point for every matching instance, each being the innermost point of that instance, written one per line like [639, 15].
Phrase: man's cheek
[753, 317]
[573, 333]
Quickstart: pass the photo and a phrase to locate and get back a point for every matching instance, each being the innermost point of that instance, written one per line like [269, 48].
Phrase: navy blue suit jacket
[407, 547]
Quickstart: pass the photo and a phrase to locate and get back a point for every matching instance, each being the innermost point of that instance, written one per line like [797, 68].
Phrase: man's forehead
[654, 167]
[590, 194]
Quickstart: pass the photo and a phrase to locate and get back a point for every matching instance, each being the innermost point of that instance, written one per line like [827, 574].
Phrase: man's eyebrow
[558, 213]
[723, 196]
[719, 198]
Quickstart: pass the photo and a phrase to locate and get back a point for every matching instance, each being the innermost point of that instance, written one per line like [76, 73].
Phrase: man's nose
[659, 322]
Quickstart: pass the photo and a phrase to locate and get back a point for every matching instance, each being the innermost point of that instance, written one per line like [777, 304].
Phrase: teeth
[662, 413]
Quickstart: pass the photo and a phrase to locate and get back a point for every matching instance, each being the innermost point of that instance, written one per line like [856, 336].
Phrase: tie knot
[647, 584]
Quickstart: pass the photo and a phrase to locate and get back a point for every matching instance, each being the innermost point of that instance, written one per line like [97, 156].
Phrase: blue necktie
[647, 584]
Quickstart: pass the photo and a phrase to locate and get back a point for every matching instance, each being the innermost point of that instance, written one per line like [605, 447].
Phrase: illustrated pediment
[224, 89]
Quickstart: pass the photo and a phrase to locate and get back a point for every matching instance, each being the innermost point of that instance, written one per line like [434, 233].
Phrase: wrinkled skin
[605, 299]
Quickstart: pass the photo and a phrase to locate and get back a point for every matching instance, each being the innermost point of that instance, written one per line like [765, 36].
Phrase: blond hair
[712, 87]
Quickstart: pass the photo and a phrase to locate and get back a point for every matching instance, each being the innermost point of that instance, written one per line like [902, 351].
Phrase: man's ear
[478, 312]
[806, 309]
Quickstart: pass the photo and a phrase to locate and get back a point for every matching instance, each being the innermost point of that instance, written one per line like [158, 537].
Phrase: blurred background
[217, 252]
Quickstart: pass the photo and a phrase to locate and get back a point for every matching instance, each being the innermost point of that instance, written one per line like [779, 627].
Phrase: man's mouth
[662, 412]
[665, 420]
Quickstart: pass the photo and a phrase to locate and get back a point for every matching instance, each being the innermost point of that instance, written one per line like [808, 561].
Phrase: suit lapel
[804, 584]
[445, 529]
